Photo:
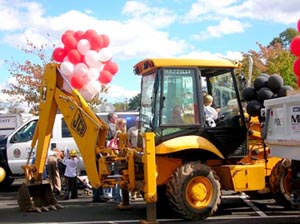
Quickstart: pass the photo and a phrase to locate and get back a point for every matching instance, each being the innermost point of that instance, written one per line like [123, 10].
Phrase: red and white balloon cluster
[295, 50]
[86, 61]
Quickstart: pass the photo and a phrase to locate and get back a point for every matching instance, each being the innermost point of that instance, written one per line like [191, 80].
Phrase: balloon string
[65, 79]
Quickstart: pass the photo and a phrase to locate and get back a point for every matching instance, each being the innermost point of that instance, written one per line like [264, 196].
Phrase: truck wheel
[194, 191]
[280, 183]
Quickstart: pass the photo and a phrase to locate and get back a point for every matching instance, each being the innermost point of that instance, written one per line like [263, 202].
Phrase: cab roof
[146, 65]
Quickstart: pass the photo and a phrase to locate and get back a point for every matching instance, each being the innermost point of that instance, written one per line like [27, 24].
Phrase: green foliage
[274, 59]
[285, 38]
[134, 103]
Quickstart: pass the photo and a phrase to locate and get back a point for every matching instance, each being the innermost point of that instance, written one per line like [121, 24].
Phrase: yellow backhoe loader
[184, 158]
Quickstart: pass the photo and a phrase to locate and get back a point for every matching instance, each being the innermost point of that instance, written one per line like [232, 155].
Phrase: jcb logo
[78, 124]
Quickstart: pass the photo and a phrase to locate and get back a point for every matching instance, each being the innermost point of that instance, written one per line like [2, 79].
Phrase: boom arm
[88, 131]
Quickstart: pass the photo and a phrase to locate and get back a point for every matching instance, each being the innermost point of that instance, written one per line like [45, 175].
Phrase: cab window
[25, 134]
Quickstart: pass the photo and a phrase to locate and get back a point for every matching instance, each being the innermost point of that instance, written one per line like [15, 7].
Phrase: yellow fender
[187, 142]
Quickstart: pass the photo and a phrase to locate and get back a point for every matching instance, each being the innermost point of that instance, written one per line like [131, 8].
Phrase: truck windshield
[25, 134]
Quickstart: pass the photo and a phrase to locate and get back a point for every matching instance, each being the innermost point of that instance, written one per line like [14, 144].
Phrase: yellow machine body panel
[242, 177]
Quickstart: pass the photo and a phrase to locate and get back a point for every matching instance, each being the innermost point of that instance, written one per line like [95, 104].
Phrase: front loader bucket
[37, 198]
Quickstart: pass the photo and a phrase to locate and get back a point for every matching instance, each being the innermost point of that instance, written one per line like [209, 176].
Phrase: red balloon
[70, 42]
[297, 67]
[66, 34]
[96, 42]
[89, 34]
[298, 25]
[105, 40]
[74, 56]
[105, 77]
[295, 46]
[78, 35]
[112, 67]
[58, 54]
[77, 81]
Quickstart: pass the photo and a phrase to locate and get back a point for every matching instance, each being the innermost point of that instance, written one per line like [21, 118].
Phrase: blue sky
[146, 28]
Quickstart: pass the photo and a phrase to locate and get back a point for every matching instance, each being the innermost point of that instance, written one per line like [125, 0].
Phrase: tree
[134, 103]
[273, 59]
[285, 38]
[28, 76]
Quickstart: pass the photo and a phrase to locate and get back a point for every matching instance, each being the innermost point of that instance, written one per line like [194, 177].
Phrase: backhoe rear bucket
[37, 198]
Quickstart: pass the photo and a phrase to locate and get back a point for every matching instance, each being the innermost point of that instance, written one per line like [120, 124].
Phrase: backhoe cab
[197, 157]
[172, 106]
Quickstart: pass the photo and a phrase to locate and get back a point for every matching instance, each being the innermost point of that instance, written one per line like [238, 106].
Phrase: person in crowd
[98, 194]
[53, 172]
[133, 143]
[119, 128]
[176, 115]
[71, 161]
[112, 121]
[133, 134]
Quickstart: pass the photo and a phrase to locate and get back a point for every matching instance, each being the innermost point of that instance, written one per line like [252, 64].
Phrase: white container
[283, 126]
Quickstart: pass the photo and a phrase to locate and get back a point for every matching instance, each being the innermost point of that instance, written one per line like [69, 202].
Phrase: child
[208, 109]
[120, 128]
[71, 161]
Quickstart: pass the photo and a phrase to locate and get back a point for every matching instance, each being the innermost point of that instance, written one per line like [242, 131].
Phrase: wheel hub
[199, 192]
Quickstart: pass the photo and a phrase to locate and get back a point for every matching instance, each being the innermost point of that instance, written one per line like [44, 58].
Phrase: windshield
[147, 96]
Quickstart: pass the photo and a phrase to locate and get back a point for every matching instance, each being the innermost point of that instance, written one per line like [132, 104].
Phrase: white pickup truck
[15, 147]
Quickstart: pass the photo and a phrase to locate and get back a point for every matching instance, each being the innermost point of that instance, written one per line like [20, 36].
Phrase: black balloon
[264, 94]
[265, 75]
[275, 82]
[283, 91]
[260, 82]
[253, 108]
[249, 94]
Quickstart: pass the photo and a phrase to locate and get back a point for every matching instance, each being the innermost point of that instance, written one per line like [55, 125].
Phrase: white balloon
[105, 55]
[86, 95]
[91, 58]
[83, 46]
[93, 74]
[90, 89]
[81, 69]
[99, 66]
[67, 68]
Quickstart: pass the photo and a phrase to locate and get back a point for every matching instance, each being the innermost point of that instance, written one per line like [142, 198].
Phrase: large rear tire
[194, 191]
[280, 183]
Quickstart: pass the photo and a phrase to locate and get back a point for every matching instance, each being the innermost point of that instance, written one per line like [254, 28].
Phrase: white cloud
[119, 94]
[233, 55]
[285, 12]
[14, 13]
[225, 27]
[153, 16]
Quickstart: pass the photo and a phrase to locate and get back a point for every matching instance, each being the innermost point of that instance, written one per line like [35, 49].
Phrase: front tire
[194, 191]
